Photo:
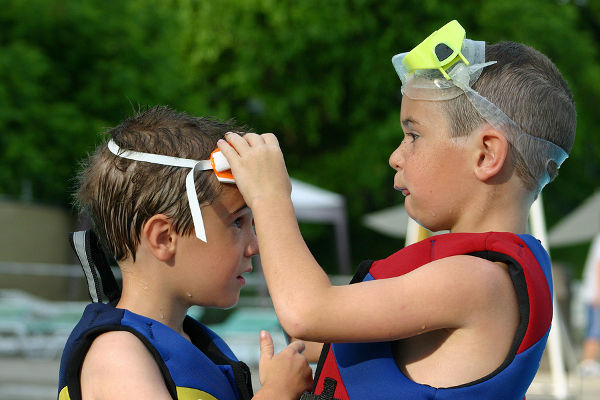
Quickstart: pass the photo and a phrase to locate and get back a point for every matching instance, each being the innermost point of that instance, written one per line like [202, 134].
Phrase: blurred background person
[591, 296]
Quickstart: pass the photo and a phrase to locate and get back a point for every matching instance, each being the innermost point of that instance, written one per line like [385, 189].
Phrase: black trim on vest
[517, 276]
[363, 269]
[320, 363]
[329, 386]
[73, 370]
[202, 340]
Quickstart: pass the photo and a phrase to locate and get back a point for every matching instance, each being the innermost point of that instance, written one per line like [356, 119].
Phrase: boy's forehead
[230, 200]
[415, 113]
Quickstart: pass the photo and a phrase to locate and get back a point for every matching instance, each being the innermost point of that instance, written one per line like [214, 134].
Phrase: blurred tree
[67, 70]
[319, 75]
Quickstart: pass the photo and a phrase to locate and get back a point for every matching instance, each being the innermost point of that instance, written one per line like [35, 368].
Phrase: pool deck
[29, 379]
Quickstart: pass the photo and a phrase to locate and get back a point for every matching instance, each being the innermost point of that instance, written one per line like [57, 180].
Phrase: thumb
[266, 345]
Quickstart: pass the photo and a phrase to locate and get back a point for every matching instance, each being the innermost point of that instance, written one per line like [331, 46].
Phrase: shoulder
[118, 365]
[473, 273]
[464, 286]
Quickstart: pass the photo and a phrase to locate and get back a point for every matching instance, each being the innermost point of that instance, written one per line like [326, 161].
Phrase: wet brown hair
[120, 195]
[530, 89]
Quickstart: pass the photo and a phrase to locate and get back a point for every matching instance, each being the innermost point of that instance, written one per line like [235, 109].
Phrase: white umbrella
[578, 226]
[317, 205]
[392, 221]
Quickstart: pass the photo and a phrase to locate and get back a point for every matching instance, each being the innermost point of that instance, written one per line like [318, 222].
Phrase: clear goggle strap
[543, 162]
[468, 74]
[190, 186]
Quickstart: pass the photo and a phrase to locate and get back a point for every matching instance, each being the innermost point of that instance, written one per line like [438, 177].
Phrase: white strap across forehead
[190, 187]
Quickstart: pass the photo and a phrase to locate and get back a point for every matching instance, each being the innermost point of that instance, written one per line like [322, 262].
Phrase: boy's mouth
[405, 192]
[240, 278]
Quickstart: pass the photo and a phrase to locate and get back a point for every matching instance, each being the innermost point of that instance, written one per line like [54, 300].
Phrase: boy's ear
[491, 153]
[160, 236]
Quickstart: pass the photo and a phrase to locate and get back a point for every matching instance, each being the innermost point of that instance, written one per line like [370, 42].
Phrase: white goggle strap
[549, 152]
[190, 186]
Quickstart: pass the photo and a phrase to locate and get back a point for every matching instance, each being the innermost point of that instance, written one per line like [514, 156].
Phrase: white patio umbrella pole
[415, 232]
[557, 366]
[412, 232]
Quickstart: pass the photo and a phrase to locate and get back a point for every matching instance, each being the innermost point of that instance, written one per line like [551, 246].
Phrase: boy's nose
[252, 248]
[395, 160]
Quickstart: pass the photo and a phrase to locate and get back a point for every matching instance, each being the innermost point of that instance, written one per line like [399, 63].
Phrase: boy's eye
[411, 135]
[239, 222]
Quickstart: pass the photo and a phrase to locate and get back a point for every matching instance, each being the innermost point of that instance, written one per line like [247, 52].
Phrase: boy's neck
[144, 293]
[502, 208]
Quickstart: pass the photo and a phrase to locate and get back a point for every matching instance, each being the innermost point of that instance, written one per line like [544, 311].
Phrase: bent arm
[296, 281]
[309, 307]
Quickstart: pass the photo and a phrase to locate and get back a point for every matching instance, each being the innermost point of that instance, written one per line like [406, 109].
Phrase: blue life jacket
[204, 368]
[368, 370]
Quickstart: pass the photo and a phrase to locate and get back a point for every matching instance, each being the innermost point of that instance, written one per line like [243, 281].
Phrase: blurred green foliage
[317, 73]
[67, 70]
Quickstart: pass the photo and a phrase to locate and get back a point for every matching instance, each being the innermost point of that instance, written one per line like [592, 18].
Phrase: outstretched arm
[261, 176]
[309, 307]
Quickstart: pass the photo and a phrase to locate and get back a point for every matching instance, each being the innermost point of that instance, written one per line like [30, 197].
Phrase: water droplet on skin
[188, 294]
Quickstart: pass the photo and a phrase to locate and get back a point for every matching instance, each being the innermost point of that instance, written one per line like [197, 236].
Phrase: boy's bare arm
[454, 292]
[118, 366]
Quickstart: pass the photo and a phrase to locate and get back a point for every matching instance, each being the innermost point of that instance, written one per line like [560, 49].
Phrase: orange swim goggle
[217, 162]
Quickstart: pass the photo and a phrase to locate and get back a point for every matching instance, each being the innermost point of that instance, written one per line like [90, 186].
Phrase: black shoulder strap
[202, 340]
[94, 261]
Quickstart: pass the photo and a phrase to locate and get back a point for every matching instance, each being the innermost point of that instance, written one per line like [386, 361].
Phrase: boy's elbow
[297, 323]
[294, 324]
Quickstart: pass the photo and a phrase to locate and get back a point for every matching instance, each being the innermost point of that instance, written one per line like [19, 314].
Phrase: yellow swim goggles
[440, 50]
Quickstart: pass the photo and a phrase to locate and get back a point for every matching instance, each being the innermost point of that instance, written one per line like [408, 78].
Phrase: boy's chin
[229, 303]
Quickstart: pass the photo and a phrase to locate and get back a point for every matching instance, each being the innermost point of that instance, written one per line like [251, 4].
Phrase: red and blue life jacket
[369, 371]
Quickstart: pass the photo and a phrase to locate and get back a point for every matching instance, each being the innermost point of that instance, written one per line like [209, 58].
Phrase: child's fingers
[266, 345]
[253, 139]
[298, 346]
[270, 138]
[228, 150]
[238, 142]
[256, 140]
